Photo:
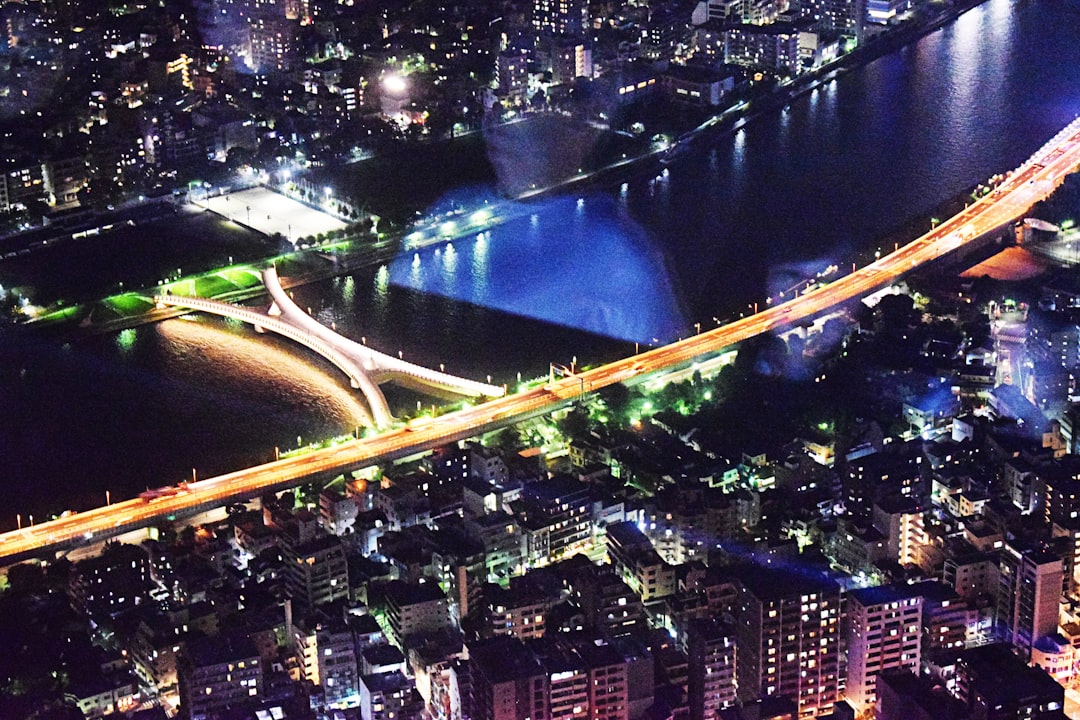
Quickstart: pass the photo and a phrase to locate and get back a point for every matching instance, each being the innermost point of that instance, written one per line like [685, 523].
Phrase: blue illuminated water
[792, 192]
[737, 220]
[584, 265]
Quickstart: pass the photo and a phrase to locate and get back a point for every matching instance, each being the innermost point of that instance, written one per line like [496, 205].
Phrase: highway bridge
[364, 366]
[1032, 181]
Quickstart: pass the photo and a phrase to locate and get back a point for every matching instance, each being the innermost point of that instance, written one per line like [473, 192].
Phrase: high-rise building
[883, 628]
[508, 681]
[316, 571]
[900, 519]
[114, 582]
[905, 696]
[638, 564]
[773, 46]
[845, 16]
[390, 696]
[787, 627]
[275, 44]
[1029, 593]
[411, 609]
[947, 619]
[885, 12]
[20, 186]
[571, 59]
[997, 685]
[217, 673]
[569, 676]
[560, 17]
[326, 656]
[519, 609]
[1062, 491]
[710, 649]
[555, 515]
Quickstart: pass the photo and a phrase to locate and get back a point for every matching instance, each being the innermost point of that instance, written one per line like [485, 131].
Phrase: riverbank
[741, 112]
[516, 149]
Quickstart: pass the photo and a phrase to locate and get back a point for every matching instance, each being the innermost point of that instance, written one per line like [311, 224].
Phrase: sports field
[269, 212]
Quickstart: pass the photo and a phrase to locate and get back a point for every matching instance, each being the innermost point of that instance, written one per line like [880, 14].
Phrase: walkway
[383, 366]
[365, 366]
[349, 365]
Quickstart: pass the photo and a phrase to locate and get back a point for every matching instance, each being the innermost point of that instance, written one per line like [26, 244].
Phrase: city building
[555, 516]
[218, 673]
[1029, 595]
[883, 630]
[787, 630]
[638, 564]
[845, 16]
[325, 652]
[274, 44]
[884, 12]
[903, 695]
[389, 696]
[571, 675]
[413, 608]
[520, 609]
[317, 571]
[995, 684]
[114, 582]
[711, 681]
[508, 681]
[560, 17]
[773, 47]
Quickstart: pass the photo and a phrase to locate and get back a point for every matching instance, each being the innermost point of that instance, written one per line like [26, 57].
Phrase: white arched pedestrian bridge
[365, 366]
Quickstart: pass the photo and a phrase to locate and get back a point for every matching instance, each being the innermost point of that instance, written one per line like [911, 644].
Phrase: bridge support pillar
[355, 383]
[259, 328]
[273, 310]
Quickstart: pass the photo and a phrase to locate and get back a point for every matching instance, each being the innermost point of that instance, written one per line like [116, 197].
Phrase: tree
[575, 424]
[26, 578]
[616, 397]
[510, 440]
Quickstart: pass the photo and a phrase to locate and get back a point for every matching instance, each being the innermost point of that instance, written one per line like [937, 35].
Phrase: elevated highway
[1032, 181]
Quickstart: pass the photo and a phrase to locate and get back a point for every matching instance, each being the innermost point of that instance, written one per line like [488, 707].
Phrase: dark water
[819, 182]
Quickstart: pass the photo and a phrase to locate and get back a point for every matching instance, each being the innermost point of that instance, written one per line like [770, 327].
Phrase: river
[579, 276]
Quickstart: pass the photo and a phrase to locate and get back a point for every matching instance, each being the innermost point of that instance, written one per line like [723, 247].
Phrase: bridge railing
[343, 361]
[381, 360]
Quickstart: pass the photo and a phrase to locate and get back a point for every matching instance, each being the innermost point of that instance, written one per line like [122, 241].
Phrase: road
[1020, 189]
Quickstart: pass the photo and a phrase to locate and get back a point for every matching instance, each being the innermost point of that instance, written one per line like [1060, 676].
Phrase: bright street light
[395, 84]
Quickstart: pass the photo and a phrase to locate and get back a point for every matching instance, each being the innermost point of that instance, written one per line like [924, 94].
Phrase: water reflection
[206, 352]
[599, 272]
[125, 340]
